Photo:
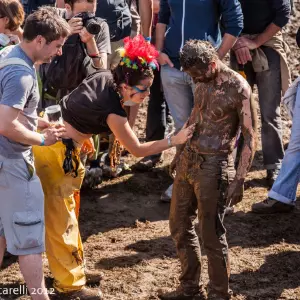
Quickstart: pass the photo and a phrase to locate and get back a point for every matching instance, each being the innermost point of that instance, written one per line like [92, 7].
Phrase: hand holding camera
[86, 25]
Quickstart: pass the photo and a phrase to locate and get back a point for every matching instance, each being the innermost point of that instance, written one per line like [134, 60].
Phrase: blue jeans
[285, 187]
[178, 89]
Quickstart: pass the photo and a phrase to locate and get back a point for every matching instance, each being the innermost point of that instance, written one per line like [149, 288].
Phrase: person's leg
[156, 121]
[183, 212]
[285, 186]
[63, 242]
[178, 94]
[178, 91]
[156, 113]
[31, 267]
[2, 247]
[269, 90]
[211, 183]
[22, 219]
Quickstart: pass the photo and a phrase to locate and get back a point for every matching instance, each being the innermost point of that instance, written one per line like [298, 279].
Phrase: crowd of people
[95, 62]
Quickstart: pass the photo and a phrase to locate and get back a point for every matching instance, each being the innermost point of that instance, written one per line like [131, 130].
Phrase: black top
[88, 106]
[258, 14]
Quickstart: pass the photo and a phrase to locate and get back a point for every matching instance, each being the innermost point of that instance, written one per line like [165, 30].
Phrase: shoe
[167, 194]
[271, 206]
[84, 294]
[93, 277]
[215, 295]
[179, 294]
[272, 176]
[148, 163]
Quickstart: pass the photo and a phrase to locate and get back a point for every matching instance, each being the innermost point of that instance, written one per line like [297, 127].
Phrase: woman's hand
[183, 135]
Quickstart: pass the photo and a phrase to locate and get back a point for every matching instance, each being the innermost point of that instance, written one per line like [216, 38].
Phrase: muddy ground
[125, 231]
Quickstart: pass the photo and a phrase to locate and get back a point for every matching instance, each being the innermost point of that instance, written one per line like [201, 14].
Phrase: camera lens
[93, 27]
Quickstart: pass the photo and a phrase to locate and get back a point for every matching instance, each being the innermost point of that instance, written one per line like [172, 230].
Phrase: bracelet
[148, 39]
[43, 140]
[97, 55]
[169, 137]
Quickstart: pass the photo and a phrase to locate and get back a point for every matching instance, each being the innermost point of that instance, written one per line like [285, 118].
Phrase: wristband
[148, 39]
[96, 55]
[169, 140]
[43, 140]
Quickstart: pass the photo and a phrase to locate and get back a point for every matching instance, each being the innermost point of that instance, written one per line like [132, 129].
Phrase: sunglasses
[146, 89]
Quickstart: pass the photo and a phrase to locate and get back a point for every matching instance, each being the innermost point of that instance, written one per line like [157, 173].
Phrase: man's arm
[146, 14]
[103, 44]
[163, 21]
[246, 117]
[283, 10]
[11, 128]
[235, 189]
[232, 20]
[16, 87]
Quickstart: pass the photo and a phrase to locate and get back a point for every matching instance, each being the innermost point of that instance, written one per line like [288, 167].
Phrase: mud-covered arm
[236, 188]
[246, 115]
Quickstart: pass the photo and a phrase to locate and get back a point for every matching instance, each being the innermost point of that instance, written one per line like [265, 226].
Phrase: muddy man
[205, 176]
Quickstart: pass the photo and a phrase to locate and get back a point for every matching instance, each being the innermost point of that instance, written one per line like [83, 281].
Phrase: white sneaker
[167, 194]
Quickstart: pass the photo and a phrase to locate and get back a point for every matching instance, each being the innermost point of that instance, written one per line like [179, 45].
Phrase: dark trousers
[156, 114]
[269, 92]
[201, 183]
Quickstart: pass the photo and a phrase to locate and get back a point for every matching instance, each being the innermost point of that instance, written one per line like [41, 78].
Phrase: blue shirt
[198, 19]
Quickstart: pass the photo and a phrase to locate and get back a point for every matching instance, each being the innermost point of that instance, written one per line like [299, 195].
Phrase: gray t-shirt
[18, 89]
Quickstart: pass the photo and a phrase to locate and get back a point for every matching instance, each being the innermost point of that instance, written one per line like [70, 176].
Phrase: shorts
[21, 208]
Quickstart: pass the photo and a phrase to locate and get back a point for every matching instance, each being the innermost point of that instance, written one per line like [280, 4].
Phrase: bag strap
[13, 61]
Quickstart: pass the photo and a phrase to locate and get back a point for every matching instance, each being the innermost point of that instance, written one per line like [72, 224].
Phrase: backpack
[65, 72]
[13, 61]
[118, 17]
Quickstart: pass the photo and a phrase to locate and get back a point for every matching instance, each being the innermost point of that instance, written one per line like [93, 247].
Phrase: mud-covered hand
[184, 134]
[235, 192]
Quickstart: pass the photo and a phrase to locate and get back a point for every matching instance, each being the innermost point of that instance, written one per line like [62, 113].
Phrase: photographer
[84, 52]
[97, 46]
[11, 19]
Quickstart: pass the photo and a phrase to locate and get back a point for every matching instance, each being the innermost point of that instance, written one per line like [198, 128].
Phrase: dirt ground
[125, 231]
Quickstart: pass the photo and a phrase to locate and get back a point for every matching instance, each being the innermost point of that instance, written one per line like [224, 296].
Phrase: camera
[90, 22]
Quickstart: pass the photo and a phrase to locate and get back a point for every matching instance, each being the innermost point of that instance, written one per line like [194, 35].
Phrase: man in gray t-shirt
[21, 194]
[19, 90]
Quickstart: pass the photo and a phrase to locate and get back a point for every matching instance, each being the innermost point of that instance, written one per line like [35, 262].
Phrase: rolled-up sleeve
[164, 12]
[231, 16]
[282, 10]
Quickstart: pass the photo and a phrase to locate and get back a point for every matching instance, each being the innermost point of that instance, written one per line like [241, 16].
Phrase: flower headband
[137, 53]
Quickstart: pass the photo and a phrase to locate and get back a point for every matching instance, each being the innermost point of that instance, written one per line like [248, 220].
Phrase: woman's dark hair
[132, 77]
[13, 10]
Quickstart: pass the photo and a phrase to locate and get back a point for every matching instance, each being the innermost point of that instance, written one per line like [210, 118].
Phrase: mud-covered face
[201, 74]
